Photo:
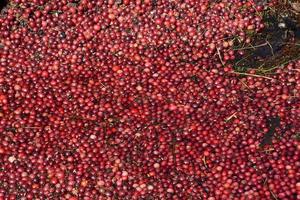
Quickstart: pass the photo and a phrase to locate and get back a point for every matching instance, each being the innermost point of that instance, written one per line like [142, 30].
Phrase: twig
[252, 47]
[219, 54]
[230, 117]
[265, 181]
[32, 127]
[272, 51]
[297, 70]
[254, 75]
[244, 58]
[268, 150]
[296, 44]
[204, 162]
[244, 84]
[261, 67]
[282, 64]
[273, 195]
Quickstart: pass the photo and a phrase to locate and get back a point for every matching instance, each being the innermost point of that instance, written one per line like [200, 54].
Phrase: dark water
[3, 3]
[275, 44]
[272, 123]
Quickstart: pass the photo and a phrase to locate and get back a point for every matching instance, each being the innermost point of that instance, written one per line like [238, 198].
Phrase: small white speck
[138, 135]
[93, 137]
[150, 187]
[139, 88]
[124, 173]
[170, 190]
[11, 159]
[156, 165]
[282, 25]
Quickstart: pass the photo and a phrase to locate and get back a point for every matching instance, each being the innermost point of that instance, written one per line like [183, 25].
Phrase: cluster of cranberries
[119, 99]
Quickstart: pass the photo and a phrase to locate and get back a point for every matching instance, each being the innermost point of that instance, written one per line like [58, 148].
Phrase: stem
[220, 56]
[273, 195]
[32, 127]
[252, 47]
[230, 117]
[204, 162]
[270, 47]
[254, 75]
